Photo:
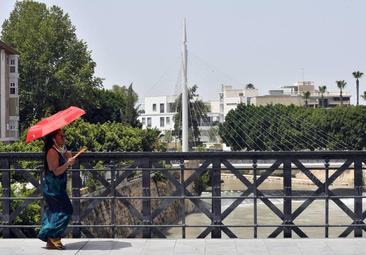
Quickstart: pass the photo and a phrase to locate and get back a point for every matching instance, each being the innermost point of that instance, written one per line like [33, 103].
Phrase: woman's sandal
[53, 243]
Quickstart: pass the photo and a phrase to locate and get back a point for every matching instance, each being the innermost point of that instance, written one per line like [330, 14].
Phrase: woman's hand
[68, 154]
[71, 161]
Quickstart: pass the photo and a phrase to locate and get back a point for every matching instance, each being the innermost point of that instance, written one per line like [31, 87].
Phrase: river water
[244, 213]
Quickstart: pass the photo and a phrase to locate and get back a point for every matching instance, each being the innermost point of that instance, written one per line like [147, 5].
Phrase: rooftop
[7, 48]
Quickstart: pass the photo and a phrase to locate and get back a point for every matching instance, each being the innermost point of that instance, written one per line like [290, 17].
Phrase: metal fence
[181, 170]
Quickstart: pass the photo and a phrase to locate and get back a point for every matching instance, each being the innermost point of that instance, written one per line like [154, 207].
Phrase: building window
[167, 120]
[12, 125]
[171, 107]
[148, 122]
[12, 88]
[12, 68]
[143, 121]
[161, 121]
[154, 107]
[161, 108]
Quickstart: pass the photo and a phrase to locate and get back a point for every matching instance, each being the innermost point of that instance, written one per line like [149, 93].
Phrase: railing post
[5, 182]
[326, 193]
[182, 201]
[216, 202]
[255, 208]
[146, 202]
[287, 210]
[113, 202]
[358, 200]
[75, 186]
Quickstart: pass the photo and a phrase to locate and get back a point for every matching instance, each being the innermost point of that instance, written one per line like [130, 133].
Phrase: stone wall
[102, 213]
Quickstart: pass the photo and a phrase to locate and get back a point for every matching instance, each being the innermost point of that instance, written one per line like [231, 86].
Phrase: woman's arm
[52, 160]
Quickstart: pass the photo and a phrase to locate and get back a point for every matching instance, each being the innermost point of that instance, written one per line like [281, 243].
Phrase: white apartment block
[288, 95]
[159, 112]
[9, 98]
[230, 98]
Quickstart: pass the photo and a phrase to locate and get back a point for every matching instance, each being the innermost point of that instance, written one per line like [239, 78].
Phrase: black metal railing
[122, 183]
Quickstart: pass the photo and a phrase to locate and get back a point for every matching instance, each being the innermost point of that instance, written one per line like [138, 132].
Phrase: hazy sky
[267, 43]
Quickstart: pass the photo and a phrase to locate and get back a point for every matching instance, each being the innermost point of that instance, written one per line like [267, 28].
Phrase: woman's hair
[48, 144]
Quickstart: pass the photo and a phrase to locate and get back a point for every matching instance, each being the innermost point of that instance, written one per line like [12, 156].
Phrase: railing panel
[144, 212]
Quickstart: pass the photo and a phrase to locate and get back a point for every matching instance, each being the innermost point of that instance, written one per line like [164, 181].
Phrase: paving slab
[188, 246]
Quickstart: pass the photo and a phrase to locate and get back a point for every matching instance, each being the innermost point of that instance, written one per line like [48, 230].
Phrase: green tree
[56, 69]
[107, 106]
[322, 90]
[197, 110]
[131, 112]
[128, 110]
[306, 96]
[99, 137]
[168, 136]
[295, 128]
[341, 84]
[357, 75]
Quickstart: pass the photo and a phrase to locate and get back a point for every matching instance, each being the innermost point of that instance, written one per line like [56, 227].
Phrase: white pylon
[185, 147]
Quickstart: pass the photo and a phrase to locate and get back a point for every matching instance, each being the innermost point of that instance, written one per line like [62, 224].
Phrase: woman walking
[58, 208]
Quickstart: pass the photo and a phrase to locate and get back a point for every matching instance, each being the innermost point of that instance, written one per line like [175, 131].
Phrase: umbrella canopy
[54, 122]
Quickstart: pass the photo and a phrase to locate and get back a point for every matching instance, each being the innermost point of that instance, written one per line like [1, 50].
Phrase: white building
[230, 98]
[9, 99]
[159, 112]
[293, 95]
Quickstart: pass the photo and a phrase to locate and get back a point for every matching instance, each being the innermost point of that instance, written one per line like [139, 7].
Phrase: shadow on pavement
[97, 245]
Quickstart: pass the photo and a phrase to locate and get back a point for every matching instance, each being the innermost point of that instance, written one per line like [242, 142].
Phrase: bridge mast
[184, 92]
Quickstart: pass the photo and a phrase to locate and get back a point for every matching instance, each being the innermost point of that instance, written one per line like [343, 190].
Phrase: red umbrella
[54, 122]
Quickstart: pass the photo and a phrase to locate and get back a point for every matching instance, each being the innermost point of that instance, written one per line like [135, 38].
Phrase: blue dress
[58, 208]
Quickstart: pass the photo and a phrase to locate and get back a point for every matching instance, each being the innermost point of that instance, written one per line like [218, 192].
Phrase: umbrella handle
[79, 152]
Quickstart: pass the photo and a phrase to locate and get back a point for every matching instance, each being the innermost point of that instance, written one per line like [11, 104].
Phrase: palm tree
[357, 75]
[341, 84]
[364, 95]
[322, 90]
[249, 86]
[306, 96]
